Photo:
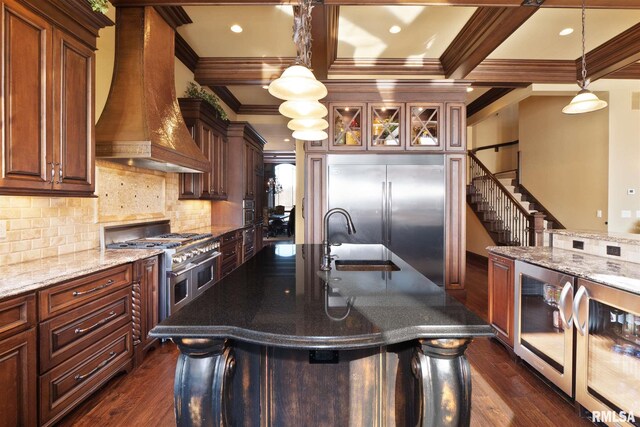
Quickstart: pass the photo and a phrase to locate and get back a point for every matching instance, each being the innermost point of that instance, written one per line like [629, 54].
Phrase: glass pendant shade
[297, 83]
[303, 109]
[584, 102]
[308, 124]
[310, 135]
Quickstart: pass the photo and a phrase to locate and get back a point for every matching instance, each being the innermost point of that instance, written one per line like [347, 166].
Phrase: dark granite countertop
[622, 275]
[280, 298]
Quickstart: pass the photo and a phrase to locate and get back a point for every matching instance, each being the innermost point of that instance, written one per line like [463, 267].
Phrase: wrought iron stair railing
[506, 220]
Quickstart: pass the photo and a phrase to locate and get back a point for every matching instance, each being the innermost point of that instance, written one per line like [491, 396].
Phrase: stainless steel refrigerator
[396, 200]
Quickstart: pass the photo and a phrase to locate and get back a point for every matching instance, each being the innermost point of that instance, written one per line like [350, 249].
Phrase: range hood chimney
[141, 124]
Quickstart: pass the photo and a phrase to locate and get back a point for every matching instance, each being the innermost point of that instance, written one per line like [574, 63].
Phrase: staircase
[509, 213]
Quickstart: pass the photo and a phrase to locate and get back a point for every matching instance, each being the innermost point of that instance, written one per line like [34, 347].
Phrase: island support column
[444, 378]
[201, 389]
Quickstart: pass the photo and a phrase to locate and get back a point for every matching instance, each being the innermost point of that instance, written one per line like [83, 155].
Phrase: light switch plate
[599, 213]
[3, 230]
[626, 214]
[637, 214]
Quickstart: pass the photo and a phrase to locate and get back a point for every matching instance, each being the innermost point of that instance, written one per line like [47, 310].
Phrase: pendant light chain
[584, 82]
[302, 32]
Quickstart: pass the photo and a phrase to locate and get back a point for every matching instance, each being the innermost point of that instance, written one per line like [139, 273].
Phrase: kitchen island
[279, 342]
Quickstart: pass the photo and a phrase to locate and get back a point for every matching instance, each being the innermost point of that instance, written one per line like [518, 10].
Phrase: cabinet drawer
[17, 315]
[67, 334]
[228, 267]
[68, 384]
[229, 237]
[77, 292]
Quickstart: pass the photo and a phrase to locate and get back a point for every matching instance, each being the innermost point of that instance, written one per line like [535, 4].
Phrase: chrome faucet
[326, 246]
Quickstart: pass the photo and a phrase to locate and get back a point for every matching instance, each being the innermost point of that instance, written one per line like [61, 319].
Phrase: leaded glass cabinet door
[424, 126]
[608, 351]
[386, 127]
[346, 125]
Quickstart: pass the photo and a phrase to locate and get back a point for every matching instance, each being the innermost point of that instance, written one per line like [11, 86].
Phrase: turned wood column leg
[444, 382]
[201, 388]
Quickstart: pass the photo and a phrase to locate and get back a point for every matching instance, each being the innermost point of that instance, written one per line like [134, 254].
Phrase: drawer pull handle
[112, 314]
[102, 364]
[97, 288]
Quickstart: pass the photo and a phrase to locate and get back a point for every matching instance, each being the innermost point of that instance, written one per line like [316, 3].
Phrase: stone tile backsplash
[39, 227]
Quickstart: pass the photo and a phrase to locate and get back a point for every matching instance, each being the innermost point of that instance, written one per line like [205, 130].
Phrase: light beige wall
[564, 160]
[500, 127]
[477, 237]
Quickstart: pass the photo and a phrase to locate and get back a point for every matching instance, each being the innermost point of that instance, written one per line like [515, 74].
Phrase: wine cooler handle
[565, 305]
[581, 324]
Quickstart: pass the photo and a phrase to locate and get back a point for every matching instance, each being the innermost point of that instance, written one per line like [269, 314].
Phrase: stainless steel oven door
[180, 290]
[203, 275]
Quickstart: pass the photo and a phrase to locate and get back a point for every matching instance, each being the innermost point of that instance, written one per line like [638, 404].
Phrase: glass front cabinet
[386, 127]
[607, 321]
[346, 125]
[424, 126]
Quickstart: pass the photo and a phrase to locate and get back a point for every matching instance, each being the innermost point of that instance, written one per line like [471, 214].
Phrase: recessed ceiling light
[566, 31]
[287, 140]
[469, 89]
[395, 29]
[236, 28]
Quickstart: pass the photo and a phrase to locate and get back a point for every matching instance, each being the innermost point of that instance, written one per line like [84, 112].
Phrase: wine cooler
[607, 322]
[543, 322]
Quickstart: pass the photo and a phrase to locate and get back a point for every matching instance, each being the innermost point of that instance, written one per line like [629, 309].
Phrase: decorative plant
[195, 91]
[101, 6]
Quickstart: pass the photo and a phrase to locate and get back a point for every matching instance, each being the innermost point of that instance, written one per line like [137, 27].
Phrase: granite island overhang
[277, 336]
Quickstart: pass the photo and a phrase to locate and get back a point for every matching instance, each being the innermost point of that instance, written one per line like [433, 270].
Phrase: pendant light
[303, 109]
[310, 135]
[585, 101]
[297, 83]
[308, 124]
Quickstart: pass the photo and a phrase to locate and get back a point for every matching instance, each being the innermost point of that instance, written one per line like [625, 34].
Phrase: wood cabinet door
[501, 297]
[18, 370]
[248, 171]
[190, 182]
[424, 130]
[206, 143]
[73, 71]
[223, 163]
[386, 125]
[26, 100]
[456, 126]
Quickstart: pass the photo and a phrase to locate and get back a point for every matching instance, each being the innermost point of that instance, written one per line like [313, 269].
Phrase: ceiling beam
[259, 109]
[386, 66]
[487, 99]
[324, 36]
[632, 72]
[239, 71]
[185, 53]
[487, 28]
[592, 4]
[524, 71]
[227, 97]
[613, 55]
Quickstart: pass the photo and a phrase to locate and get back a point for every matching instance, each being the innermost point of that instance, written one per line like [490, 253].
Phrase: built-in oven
[188, 282]
[249, 211]
[544, 333]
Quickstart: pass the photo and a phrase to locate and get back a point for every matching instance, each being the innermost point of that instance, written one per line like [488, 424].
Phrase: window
[286, 177]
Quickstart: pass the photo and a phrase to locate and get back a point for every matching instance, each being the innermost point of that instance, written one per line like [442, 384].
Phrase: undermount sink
[366, 265]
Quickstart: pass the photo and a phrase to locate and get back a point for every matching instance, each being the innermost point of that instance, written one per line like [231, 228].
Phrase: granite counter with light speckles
[29, 276]
[617, 274]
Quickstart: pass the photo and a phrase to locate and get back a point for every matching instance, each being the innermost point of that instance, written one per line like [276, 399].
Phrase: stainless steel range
[190, 259]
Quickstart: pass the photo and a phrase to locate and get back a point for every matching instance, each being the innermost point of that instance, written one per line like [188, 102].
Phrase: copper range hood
[141, 124]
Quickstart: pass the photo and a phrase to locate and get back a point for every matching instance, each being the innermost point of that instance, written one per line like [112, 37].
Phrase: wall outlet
[631, 191]
[3, 230]
[599, 213]
[626, 214]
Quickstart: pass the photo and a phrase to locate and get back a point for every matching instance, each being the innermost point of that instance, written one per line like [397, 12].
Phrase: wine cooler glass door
[544, 332]
[608, 352]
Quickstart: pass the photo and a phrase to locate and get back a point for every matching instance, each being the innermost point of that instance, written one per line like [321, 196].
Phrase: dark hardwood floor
[505, 393]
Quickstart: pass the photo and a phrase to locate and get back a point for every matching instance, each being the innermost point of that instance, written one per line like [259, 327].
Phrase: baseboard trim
[477, 258]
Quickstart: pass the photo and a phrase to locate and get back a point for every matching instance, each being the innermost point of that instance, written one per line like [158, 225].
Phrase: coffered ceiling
[495, 45]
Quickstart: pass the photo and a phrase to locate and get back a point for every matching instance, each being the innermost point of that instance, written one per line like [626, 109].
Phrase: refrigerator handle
[383, 210]
[389, 207]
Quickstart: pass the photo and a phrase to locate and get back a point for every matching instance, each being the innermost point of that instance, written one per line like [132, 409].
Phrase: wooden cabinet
[230, 247]
[347, 126]
[18, 364]
[86, 338]
[501, 297]
[210, 134]
[146, 305]
[48, 101]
